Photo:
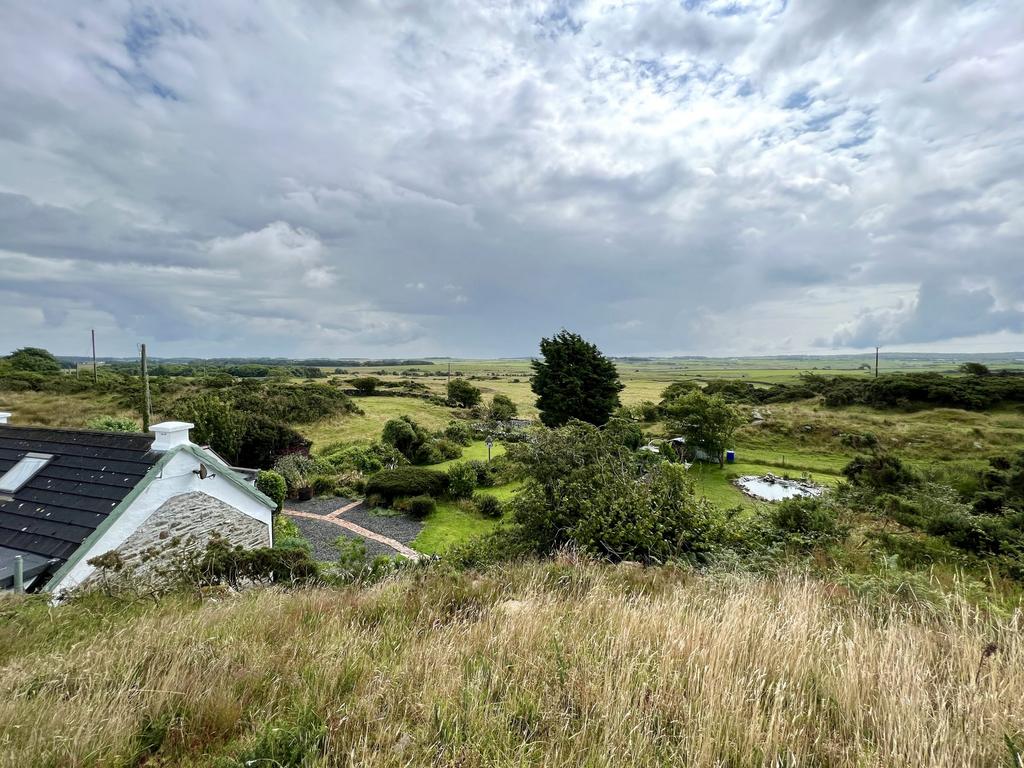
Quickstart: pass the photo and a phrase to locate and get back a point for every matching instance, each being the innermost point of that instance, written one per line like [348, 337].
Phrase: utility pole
[145, 387]
[876, 362]
[449, 372]
[94, 379]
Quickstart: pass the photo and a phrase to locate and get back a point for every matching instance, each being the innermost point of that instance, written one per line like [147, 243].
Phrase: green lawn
[475, 451]
[715, 484]
[450, 525]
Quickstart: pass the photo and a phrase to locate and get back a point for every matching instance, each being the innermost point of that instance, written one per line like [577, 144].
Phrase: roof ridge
[77, 430]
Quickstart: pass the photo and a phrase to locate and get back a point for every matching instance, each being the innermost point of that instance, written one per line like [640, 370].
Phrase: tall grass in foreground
[547, 664]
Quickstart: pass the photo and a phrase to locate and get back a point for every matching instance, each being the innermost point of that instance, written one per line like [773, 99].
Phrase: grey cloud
[267, 178]
[940, 311]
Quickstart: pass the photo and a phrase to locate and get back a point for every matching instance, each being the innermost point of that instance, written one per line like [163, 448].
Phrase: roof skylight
[23, 471]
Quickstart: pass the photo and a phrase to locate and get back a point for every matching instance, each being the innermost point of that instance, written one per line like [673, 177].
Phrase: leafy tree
[502, 408]
[706, 421]
[462, 393]
[574, 381]
[975, 369]
[677, 389]
[586, 489]
[216, 423]
[34, 359]
[365, 385]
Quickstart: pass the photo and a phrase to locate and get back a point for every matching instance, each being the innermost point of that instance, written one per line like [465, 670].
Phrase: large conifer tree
[574, 381]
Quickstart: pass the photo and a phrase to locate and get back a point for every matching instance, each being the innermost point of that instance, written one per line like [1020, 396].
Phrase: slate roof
[54, 512]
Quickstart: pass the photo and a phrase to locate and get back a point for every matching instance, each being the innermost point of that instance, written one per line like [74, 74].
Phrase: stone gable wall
[192, 519]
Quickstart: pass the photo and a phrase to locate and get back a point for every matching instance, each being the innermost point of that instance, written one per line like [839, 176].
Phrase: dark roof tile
[90, 474]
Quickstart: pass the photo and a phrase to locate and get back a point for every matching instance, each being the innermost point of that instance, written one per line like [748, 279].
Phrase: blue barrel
[730, 456]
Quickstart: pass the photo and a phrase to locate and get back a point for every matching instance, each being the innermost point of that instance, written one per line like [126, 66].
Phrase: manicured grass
[475, 451]
[450, 525]
[716, 484]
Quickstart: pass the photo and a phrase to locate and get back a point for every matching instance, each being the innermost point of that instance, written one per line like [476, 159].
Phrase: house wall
[192, 519]
[177, 479]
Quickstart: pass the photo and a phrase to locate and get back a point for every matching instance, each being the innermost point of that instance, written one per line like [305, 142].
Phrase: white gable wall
[177, 477]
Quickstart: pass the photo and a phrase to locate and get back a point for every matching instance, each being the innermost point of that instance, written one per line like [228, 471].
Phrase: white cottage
[67, 496]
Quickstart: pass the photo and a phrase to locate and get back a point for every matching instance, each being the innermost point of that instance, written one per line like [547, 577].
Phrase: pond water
[771, 488]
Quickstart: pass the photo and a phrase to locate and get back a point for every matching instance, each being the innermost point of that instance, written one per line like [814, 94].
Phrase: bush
[502, 408]
[448, 449]
[803, 521]
[489, 506]
[880, 471]
[391, 484]
[298, 471]
[586, 490]
[419, 506]
[33, 359]
[365, 385]
[113, 424]
[461, 481]
[273, 485]
[362, 458]
[484, 476]
[323, 485]
[458, 432]
[463, 394]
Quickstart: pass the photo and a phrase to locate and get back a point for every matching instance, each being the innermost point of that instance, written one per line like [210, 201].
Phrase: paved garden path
[337, 518]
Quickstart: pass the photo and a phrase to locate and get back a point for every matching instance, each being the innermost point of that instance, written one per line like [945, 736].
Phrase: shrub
[323, 485]
[410, 440]
[462, 393]
[803, 521]
[273, 485]
[113, 424]
[419, 506]
[448, 449]
[880, 471]
[33, 359]
[391, 484]
[461, 481]
[484, 476]
[489, 506]
[365, 385]
[362, 458]
[298, 471]
[502, 408]
[585, 490]
[458, 432]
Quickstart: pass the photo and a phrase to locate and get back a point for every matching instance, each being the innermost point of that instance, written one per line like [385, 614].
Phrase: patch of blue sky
[798, 99]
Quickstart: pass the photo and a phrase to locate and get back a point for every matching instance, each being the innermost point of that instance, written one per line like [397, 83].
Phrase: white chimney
[4, 416]
[170, 434]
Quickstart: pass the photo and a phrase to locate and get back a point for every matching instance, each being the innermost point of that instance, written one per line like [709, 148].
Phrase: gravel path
[320, 506]
[322, 535]
[398, 527]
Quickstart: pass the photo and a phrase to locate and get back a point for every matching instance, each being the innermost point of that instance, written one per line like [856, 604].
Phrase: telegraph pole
[94, 379]
[876, 362]
[145, 386]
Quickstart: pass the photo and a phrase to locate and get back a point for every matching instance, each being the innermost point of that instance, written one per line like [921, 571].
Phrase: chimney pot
[170, 434]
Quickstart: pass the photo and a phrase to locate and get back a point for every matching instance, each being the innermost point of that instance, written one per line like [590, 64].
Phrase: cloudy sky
[324, 177]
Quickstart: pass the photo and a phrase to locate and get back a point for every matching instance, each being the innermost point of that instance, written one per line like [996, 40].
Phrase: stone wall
[188, 522]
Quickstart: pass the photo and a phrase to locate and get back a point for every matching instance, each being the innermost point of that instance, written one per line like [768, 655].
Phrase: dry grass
[553, 664]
